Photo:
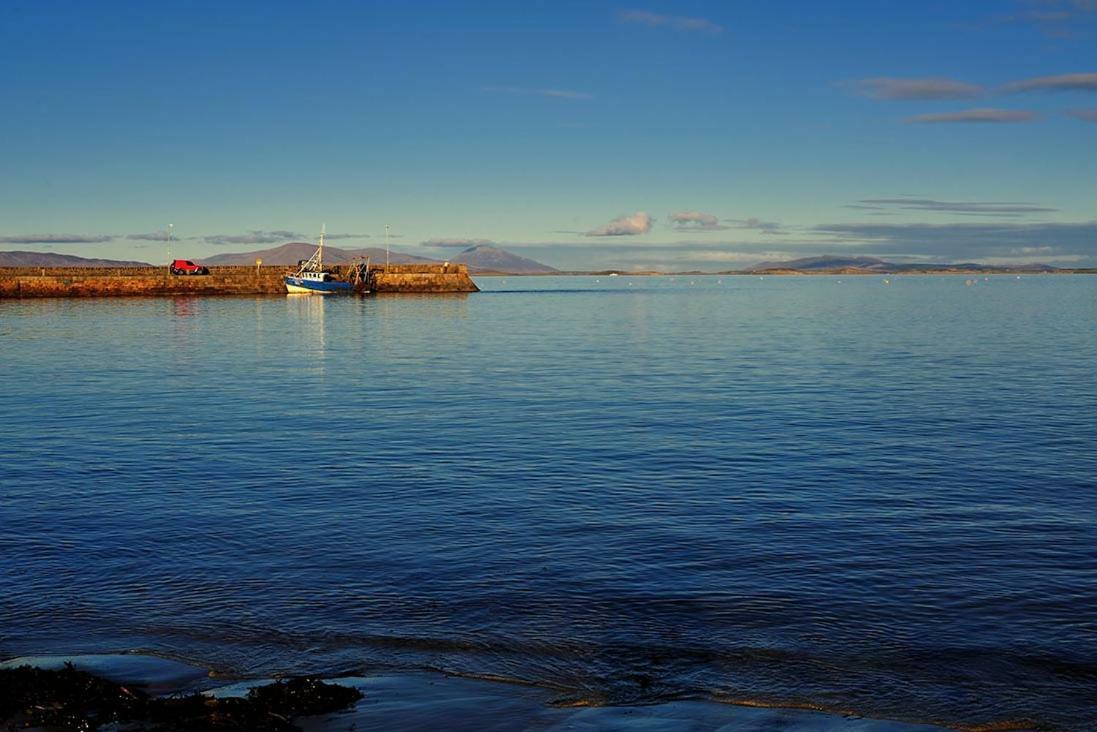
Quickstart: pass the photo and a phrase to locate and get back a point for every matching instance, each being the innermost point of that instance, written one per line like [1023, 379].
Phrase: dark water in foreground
[865, 496]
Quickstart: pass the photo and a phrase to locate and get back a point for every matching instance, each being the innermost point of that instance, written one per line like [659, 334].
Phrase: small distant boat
[312, 279]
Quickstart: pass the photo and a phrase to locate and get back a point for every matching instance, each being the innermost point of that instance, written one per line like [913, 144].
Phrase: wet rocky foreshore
[70, 699]
[138, 692]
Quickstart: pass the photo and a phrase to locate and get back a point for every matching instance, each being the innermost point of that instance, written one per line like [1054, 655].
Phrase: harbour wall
[18, 282]
[421, 278]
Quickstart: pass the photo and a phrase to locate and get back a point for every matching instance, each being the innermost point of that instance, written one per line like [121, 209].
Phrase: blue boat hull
[300, 286]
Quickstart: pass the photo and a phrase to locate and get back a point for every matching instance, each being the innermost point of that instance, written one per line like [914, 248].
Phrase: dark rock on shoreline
[69, 699]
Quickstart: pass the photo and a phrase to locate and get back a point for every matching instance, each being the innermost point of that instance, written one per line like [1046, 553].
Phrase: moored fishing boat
[312, 279]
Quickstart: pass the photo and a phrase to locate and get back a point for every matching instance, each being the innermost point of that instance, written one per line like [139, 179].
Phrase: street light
[386, 246]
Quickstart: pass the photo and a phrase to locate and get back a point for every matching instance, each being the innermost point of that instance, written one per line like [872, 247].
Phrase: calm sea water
[864, 496]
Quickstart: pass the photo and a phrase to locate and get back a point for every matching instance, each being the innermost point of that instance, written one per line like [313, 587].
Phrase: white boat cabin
[316, 276]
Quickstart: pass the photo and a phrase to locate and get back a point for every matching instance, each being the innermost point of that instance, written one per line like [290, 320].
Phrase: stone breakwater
[242, 280]
[421, 278]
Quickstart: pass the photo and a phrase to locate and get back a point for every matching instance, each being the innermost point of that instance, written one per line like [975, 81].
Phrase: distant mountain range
[479, 258]
[294, 252]
[48, 259]
[828, 262]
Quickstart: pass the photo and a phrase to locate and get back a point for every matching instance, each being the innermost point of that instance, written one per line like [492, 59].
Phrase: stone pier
[242, 280]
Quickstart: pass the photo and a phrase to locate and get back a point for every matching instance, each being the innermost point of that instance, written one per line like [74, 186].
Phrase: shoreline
[798, 273]
[430, 700]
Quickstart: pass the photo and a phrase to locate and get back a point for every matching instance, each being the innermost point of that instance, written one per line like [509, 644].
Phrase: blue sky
[584, 134]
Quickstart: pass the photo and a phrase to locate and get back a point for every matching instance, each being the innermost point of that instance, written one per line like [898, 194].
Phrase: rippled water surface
[863, 496]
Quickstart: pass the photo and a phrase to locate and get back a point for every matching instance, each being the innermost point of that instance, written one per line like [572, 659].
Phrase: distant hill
[480, 258]
[48, 259]
[828, 262]
[294, 252]
[486, 258]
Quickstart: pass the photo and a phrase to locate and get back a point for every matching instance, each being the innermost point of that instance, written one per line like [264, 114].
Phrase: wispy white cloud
[753, 224]
[1006, 208]
[255, 237]
[695, 221]
[637, 223]
[56, 238]
[677, 22]
[984, 115]
[335, 237]
[526, 91]
[457, 243]
[1064, 19]
[731, 256]
[152, 236]
[891, 88]
[1062, 82]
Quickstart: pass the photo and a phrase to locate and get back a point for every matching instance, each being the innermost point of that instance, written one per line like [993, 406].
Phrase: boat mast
[320, 251]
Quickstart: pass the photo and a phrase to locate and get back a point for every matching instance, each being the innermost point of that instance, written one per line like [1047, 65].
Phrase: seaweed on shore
[68, 699]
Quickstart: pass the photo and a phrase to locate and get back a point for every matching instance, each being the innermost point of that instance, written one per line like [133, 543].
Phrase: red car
[187, 267]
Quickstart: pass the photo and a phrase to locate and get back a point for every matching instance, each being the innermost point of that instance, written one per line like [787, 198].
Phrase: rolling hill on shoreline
[49, 259]
[480, 258]
[829, 263]
[486, 258]
[294, 252]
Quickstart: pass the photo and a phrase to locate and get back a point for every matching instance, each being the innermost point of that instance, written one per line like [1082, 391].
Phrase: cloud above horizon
[695, 221]
[900, 89]
[698, 221]
[977, 116]
[254, 237]
[633, 225]
[346, 236]
[56, 238]
[1055, 18]
[457, 243]
[983, 208]
[971, 241]
[753, 224]
[1086, 115]
[525, 91]
[677, 22]
[164, 235]
[1061, 82]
